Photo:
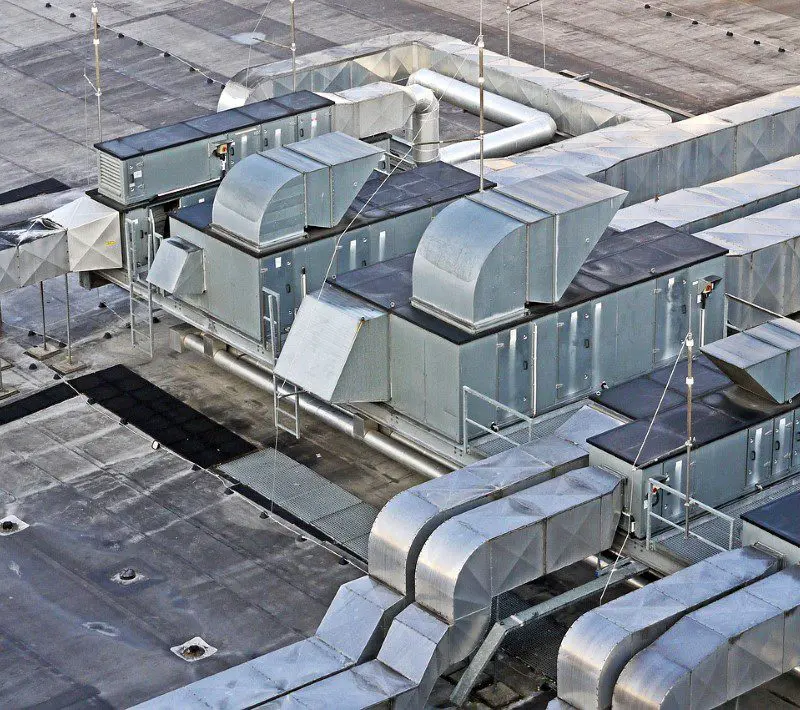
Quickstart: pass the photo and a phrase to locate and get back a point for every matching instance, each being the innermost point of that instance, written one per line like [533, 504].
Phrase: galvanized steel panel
[178, 268]
[350, 342]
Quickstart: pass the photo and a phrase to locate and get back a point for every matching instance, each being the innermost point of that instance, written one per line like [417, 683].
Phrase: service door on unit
[514, 371]
[759, 454]
[782, 445]
[574, 352]
[672, 316]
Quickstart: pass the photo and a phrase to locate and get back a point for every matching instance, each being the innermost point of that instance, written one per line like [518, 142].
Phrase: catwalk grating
[310, 501]
[161, 416]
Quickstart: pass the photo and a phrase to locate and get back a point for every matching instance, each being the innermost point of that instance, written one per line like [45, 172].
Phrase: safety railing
[653, 489]
[516, 417]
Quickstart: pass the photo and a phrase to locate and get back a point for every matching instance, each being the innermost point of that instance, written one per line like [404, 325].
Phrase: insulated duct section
[719, 652]
[362, 611]
[31, 252]
[273, 196]
[466, 563]
[601, 642]
[763, 261]
[527, 127]
[764, 360]
[484, 257]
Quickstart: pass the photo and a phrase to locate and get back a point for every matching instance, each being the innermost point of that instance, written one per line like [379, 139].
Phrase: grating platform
[716, 530]
[311, 501]
[490, 444]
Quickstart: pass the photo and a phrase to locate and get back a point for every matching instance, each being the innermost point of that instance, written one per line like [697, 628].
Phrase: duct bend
[424, 124]
[527, 127]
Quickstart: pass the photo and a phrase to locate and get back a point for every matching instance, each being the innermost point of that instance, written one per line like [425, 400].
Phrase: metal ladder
[286, 418]
[137, 276]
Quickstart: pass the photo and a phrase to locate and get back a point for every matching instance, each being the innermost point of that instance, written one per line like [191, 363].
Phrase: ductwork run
[272, 196]
[764, 360]
[360, 615]
[719, 652]
[405, 522]
[484, 257]
[527, 127]
[382, 107]
[601, 642]
[465, 564]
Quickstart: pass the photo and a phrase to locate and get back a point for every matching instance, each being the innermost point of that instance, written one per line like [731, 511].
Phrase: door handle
[752, 455]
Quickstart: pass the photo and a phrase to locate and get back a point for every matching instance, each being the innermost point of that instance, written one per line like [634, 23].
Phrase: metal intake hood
[274, 195]
[764, 360]
[178, 268]
[338, 349]
[485, 256]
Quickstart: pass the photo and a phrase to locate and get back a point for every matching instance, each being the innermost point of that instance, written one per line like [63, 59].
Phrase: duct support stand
[43, 351]
[68, 366]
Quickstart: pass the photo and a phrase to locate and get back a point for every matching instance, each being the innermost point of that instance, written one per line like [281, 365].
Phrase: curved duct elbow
[506, 141]
[527, 127]
[424, 124]
[484, 257]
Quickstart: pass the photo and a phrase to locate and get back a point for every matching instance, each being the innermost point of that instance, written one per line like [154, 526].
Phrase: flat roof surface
[780, 517]
[98, 500]
[618, 261]
[43, 52]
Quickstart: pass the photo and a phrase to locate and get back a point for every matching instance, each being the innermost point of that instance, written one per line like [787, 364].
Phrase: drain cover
[11, 524]
[193, 650]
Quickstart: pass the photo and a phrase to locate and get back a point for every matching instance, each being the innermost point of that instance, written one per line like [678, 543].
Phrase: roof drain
[526, 127]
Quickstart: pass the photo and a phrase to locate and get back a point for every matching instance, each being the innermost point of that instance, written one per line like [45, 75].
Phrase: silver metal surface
[763, 262]
[272, 196]
[394, 448]
[764, 360]
[534, 236]
[178, 268]
[601, 642]
[472, 558]
[93, 234]
[700, 208]
[719, 651]
[338, 349]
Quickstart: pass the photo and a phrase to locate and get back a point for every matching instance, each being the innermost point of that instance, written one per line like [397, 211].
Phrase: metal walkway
[715, 529]
[312, 499]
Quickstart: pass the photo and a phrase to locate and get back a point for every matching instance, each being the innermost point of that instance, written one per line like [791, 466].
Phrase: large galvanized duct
[719, 652]
[601, 642]
[466, 563]
[528, 127]
[407, 520]
[483, 258]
